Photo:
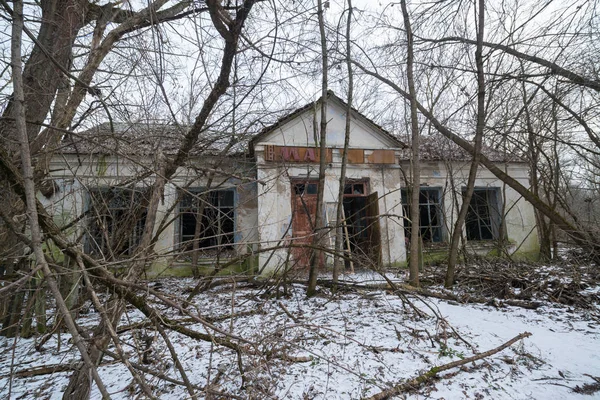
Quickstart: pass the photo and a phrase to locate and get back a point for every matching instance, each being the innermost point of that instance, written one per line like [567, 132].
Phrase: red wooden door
[304, 208]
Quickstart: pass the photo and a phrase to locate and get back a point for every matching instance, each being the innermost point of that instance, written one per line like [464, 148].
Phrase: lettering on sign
[295, 154]
[290, 154]
[382, 157]
[310, 155]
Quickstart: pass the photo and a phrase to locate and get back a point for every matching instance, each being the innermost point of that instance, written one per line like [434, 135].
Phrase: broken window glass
[215, 229]
[430, 214]
[116, 221]
[483, 218]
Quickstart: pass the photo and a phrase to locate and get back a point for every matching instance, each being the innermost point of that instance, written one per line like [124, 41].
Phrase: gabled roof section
[330, 97]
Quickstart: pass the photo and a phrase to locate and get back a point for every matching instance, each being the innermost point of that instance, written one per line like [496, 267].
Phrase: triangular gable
[301, 128]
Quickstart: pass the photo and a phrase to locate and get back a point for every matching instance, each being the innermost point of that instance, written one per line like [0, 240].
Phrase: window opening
[430, 214]
[356, 189]
[216, 228]
[305, 188]
[117, 221]
[483, 217]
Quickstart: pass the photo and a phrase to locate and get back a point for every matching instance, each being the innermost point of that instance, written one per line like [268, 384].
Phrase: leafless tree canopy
[144, 111]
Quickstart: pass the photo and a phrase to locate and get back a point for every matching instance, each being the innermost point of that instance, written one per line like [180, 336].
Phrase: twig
[288, 313]
[184, 377]
[426, 377]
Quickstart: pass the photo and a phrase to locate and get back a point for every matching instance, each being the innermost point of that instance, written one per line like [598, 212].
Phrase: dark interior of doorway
[361, 233]
[356, 224]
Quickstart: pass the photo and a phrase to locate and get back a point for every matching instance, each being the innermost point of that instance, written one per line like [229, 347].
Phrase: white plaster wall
[76, 174]
[66, 204]
[300, 131]
[275, 206]
[519, 214]
[274, 220]
[274, 200]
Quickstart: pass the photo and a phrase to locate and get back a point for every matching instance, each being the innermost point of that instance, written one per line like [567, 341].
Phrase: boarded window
[215, 229]
[483, 217]
[430, 214]
[116, 222]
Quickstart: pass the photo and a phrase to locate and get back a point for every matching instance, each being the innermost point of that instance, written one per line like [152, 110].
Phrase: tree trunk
[30, 193]
[464, 209]
[69, 285]
[60, 23]
[415, 228]
[339, 235]
[316, 253]
[534, 159]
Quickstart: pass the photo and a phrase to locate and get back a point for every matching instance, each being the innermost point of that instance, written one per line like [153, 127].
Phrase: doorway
[362, 235]
[304, 210]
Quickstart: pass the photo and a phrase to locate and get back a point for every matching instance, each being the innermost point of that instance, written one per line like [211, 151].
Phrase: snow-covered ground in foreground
[359, 342]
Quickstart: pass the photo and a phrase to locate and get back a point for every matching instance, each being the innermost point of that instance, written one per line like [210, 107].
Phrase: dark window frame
[484, 215]
[218, 218]
[356, 188]
[305, 187]
[112, 211]
[430, 211]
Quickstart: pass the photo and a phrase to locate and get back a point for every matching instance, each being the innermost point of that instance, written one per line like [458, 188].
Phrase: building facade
[256, 209]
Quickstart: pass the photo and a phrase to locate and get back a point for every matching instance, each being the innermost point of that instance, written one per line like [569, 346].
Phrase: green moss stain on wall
[102, 166]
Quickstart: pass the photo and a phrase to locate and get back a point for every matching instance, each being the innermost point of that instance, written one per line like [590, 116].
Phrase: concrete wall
[264, 191]
[275, 196]
[519, 217]
[76, 175]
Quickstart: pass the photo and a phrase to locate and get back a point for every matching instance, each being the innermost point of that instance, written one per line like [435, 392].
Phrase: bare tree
[316, 254]
[29, 191]
[415, 229]
[47, 75]
[468, 193]
[228, 22]
[340, 217]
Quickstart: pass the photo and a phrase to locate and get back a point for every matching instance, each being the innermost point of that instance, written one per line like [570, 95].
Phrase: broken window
[305, 188]
[116, 224]
[355, 189]
[216, 227]
[483, 217]
[430, 213]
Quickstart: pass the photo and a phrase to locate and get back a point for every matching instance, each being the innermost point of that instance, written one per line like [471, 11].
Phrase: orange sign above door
[307, 155]
[295, 154]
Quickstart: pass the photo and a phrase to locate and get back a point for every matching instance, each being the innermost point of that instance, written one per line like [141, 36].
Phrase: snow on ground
[355, 344]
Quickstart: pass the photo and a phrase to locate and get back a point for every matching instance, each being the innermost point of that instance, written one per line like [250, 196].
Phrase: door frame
[302, 254]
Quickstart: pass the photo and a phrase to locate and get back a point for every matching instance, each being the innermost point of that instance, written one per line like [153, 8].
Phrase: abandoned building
[243, 203]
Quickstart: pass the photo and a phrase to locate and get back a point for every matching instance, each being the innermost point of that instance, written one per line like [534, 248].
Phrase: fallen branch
[188, 320]
[43, 370]
[427, 376]
[288, 313]
[401, 288]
